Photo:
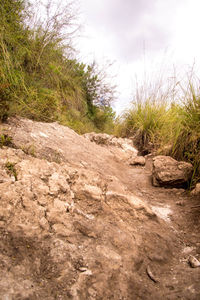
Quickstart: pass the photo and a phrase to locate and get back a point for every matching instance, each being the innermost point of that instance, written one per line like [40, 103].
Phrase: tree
[100, 92]
[40, 78]
[53, 23]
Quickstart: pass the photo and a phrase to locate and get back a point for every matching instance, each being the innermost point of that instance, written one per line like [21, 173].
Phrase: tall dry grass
[166, 121]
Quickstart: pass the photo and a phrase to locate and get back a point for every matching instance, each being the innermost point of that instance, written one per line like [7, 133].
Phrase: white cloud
[138, 34]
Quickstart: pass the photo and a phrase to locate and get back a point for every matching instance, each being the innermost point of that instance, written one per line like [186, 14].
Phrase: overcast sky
[139, 35]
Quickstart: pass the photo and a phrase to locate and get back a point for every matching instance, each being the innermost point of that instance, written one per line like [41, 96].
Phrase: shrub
[39, 76]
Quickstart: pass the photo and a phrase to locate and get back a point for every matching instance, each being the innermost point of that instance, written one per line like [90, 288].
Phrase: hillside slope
[77, 222]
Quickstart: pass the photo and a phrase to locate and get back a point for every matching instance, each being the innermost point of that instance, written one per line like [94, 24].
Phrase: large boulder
[169, 172]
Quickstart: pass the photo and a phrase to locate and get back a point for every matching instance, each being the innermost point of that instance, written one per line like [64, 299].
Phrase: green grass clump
[187, 141]
[145, 121]
[5, 140]
[166, 127]
[11, 169]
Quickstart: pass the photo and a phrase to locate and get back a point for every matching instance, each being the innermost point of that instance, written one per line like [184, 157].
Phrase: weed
[11, 169]
[29, 149]
[5, 140]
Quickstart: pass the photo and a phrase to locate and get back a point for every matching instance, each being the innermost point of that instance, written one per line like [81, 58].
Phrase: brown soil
[108, 249]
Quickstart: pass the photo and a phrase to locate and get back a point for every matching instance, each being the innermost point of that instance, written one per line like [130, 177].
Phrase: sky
[141, 38]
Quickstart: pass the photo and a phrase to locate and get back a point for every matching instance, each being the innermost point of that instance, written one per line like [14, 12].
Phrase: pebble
[83, 269]
[180, 203]
[193, 261]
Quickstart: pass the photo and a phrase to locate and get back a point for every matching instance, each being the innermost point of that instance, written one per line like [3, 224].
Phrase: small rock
[61, 230]
[83, 269]
[180, 203]
[126, 145]
[99, 139]
[194, 262]
[137, 161]
[177, 191]
[196, 190]
[44, 223]
[187, 249]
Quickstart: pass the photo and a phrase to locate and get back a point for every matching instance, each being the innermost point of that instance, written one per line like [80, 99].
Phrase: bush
[39, 76]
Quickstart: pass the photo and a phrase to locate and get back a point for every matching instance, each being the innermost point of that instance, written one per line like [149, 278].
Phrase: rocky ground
[79, 220]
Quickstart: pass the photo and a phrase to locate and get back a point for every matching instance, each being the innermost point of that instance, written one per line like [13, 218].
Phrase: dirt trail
[181, 214]
[81, 223]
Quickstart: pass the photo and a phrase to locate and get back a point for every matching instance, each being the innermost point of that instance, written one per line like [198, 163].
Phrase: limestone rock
[196, 190]
[194, 262]
[98, 138]
[70, 225]
[137, 161]
[169, 172]
[60, 225]
[109, 140]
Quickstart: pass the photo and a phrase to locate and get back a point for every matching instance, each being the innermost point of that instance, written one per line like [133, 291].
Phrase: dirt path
[80, 223]
[181, 213]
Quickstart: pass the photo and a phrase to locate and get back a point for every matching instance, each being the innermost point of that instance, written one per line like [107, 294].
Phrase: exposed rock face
[65, 228]
[70, 225]
[137, 161]
[170, 173]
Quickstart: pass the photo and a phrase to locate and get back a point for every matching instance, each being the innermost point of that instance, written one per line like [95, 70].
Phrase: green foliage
[39, 105]
[103, 118]
[39, 79]
[5, 140]
[98, 91]
[11, 169]
[147, 119]
[167, 128]
[187, 142]
[10, 41]
[30, 149]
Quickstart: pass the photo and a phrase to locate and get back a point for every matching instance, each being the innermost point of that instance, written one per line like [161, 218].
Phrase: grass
[165, 126]
[5, 140]
[11, 169]
[40, 77]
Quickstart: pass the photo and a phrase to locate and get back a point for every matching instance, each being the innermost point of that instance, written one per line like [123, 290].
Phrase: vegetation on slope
[166, 121]
[40, 78]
